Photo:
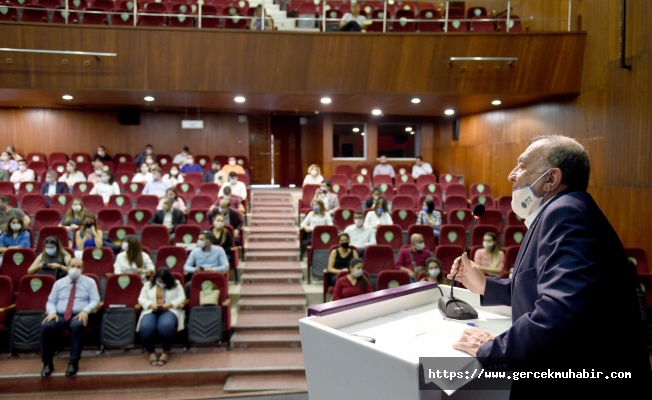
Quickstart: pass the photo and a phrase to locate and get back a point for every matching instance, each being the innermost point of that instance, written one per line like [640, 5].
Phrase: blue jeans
[166, 325]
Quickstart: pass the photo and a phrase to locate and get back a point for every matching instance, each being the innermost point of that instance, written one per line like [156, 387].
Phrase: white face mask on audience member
[359, 222]
[357, 272]
[144, 170]
[98, 172]
[174, 172]
[22, 168]
[313, 172]
[231, 162]
[76, 208]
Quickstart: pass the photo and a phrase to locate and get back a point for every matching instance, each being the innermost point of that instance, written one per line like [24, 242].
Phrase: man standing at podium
[572, 293]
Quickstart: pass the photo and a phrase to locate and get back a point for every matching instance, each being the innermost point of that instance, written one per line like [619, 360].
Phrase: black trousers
[351, 26]
[51, 332]
[307, 241]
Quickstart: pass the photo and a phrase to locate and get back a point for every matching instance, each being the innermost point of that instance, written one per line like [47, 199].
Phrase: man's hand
[51, 317]
[83, 317]
[469, 274]
[471, 340]
[236, 233]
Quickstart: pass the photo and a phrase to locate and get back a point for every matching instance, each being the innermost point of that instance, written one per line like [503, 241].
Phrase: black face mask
[345, 245]
[89, 224]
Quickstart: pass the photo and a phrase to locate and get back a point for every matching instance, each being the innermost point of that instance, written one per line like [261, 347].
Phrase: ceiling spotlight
[239, 99]
[416, 100]
[362, 134]
[376, 112]
[449, 112]
[66, 97]
[496, 102]
[149, 98]
[325, 100]
[408, 129]
[356, 129]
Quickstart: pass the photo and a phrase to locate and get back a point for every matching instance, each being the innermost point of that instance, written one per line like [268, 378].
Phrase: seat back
[209, 189]
[98, 260]
[493, 217]
[345, 170]
[59, 231]
[186, 233]
[120, 202]
[514, 220]
[46, 217]
[36, 157]
[193, 178]
[390, 235]
[377, 258]
[504, 204]
[15, 263]
[428, 235]
[199, 218]
[108, 218]
[447, 255]
[480, 230]
[26, 188]
[351, 202]
[31, 203]
[343, 217]
[380, 179]
[403, 202]
[514, 24]
[122, 289]
[81, 188]
[147, 202]
[513, 235]
[7, 187]
[138, 219]
[61, 202]
[511, 254]
[33, 292]
[486, 200]
[186, 190]
[39, 167]
[361, 179]
[639, 258]
[455, 202]
[403, 180]
[93, 202]
[425, 26]
[461, 216]
[119, 232]
[360, 189]
[452, 235]
[133, 189]
[199, 279]
[341, 180]
[123, 176]
[478, 189]
[172, 257]
[391, 279]
[400, 23]
[403, 217]
[155, 236]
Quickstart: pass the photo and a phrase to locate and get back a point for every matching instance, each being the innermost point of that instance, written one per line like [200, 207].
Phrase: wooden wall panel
[48, 131]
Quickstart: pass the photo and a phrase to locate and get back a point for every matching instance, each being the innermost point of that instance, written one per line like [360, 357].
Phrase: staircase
[272, 299]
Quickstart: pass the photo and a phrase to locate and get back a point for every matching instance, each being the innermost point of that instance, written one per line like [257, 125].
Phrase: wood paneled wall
[50, 130]
[612, 118]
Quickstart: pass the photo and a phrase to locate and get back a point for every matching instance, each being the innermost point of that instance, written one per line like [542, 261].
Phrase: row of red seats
[425, 184]
[401, 170]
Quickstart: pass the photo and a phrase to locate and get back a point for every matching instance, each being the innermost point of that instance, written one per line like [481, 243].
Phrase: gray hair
[53, 173]
[570, 157]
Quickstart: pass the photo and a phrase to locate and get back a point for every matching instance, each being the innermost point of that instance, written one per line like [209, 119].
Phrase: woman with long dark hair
[133, 259]
[352, 284]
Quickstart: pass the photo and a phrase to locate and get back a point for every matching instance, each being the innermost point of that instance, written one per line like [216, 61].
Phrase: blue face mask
[233, 181]
[379, 211]
[315, 209]
[50, 251]
[425, 209]
[48, 181]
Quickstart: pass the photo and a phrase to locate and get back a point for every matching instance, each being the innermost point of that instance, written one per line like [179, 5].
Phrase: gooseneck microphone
[449, 306]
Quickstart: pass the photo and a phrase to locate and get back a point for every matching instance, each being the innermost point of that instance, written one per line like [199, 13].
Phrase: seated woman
[177, 202]
[106, 187]
[73, 218]
[352, 284]
[318, 216]
[490, 258]
[223, 236]
[72, 175]
[162, 301]
[7, 162]
[173, 177]
[380, 216]
[144, 175]
[133, 260]
[54, 260]
[88, 236]
[433, 272]
[340, 258]
[14, 236]
[429, 216]
[257, 22]
[314, 176]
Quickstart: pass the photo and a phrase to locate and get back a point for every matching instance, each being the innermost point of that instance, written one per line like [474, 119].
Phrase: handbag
[209, 296]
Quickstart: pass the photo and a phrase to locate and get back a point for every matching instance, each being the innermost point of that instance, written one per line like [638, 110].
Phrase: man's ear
[553, 180]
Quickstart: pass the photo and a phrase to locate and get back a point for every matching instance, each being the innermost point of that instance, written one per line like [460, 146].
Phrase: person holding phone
[88, 236]
[54, 260]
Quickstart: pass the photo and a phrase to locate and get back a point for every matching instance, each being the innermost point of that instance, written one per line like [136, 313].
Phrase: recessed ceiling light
[326, 100]
[376, 112]
[239, 99]
[362, 134]
[66, 97]
[356, 129]
[496, 102]
[449, 112]
[408, 129]
[149, 98]
[416, 100]
[412, 133]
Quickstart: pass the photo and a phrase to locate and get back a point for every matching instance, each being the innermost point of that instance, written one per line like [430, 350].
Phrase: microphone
[449, 306]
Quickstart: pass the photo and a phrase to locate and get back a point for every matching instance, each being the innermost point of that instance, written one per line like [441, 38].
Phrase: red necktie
[71, 301]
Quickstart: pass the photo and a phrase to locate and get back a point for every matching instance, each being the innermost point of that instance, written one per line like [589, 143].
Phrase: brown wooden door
[260, 150]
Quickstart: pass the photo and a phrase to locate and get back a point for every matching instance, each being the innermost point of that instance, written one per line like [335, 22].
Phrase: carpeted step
[272, 255]
[271, 237]
[276, 338]
[268, 319]
[281, 231]
[272, 215]
[287, 303]
[262, 278]
[273, 222]
[265, 382]
[275, 289]
[267, 246]
[271, 209]
[272, 266]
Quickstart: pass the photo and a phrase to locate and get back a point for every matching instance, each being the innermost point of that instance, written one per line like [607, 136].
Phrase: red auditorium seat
[402, 169]
[117, 233]
[504, 204]
[408, 189]
[202, 202]
[388, 191]
[172, 257]
[361, 179]
[480, 230]
[138, 219]
[379, 257]
[390, 279]
[8, 14]
[404, 218]
[307, 194]
[379, 179]
[510, 256]
[122, 157]
[493, 217]
[26, 188]
[345, 170]
[99, 261]
[403, 202]
[46, 217]
[447, 255]
[639, 258]
[209, 189]
[486, 200]
[199, 218]
[343, 217]
[436, 199]
[153, 20]
[182, 19]
[120, 202]
[339, 179]
[426, 179]
[93, 202]
[403, 180]
[32, 295]
[15, 264]
[6, 300]
[351, 202]
[122, 290]
[134, 189]
[455, 202]
[221, 282]
[31, 203]
[127, 166]
[59, 231]
[61, 202]
[155, 236]
[477, 25]
[452, 235]
[186, 233]
[446, 179]
[513, 235]
[39, 167]
[391, 235]
[399, 24]
[425, 26]
[478, 189]
[323, 238]
[514, 24]
[377, 26]
[106, 5]
[81, 188]
[186, 190]
[147, 202]
[7, 187]
[364, 169]
[34, 13]
[209, 14]
[461, 216]
[427, 233]
[108, 218]
[361, 190]
[94, 16]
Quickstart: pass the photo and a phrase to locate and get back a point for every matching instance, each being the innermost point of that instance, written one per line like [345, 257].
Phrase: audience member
[4, 175]
[140, 158]
[88, 236]
[233, 166]
[257, 22]
[314, 176]
[54, 260]
[96, 176]
[72, 175]
[7, 212]
[206, 257]
[14, 236]
[412, 259]
[74, 218]
[11, 150]
[379, 215]
[234, 201]
[150, 160]
[51, 187]
[133, 260]
[191, 166]
[177, 202]
[318, 216]
[106, 187]
[144, 175]
[420, 168]
[360, 235]
[215, 174]
[376, 193]
[7, 163]
[330, 199]
[383, 168]
[231, 217]
[168, 216]
[173, 178]
[238, 188]
[222, 236]
[352, 284]
[162, 302]
[353, 20]
[433, 272]
[490, 258]
[156, 186]
[22, 175]
[429, 216]
[181, 158]
[71, 300]
[340, 258]
[101, 155]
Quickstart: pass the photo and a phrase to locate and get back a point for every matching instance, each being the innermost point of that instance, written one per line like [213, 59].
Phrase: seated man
[234, 201]
[238, 188]
[191, 166]
[168, 216]
[51, 187]
[7, 212]
[384, 168]
[215, 174]
[360, 236]
[206, 257]
[233, 167]
[181, 158]
[71, 300]
[156, 187]
[96, 176]
[353, 21]
[420, 168]
[22, 175]
[413, 259]
[101, 155]
[376, 194]
[231, 217]
[330, 199]
[149, 151]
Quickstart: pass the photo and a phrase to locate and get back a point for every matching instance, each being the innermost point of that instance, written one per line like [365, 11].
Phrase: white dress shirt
[239, 189]
[424, 169]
